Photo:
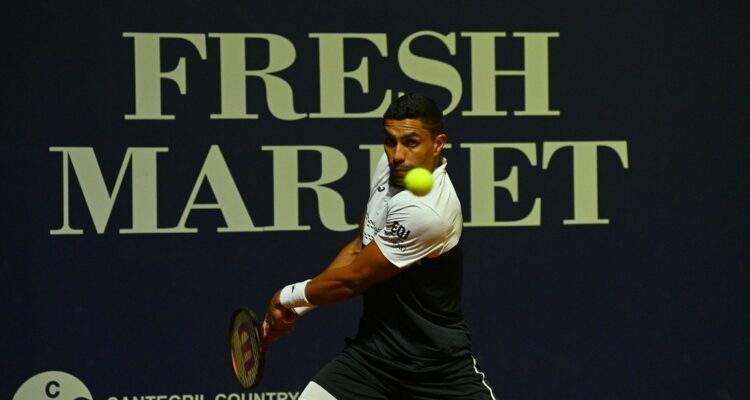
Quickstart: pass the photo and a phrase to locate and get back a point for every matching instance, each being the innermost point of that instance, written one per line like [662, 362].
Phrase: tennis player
[407, 263]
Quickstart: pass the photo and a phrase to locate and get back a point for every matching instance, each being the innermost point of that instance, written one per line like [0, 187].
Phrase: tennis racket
[246, 346]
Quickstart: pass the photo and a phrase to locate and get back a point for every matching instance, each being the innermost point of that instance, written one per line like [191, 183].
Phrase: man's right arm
[347, 254]
[345, 257]
[351, 250]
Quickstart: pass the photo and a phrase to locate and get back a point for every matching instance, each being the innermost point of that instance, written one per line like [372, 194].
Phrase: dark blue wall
[652, 305]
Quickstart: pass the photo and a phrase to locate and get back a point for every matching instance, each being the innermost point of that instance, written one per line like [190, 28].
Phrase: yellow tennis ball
[418, 181]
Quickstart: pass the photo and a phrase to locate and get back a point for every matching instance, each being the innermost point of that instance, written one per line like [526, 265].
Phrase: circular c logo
[53, 385]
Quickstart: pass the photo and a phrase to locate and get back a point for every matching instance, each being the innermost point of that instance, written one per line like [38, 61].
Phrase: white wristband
[294, 295]
[300, 311]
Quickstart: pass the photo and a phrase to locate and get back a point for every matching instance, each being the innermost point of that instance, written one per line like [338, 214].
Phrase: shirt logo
[399, 230]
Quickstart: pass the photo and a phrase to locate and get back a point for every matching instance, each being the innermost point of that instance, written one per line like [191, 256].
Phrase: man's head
[414, 135]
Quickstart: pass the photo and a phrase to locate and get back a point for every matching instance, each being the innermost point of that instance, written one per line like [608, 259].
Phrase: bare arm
[347, 254]
[350, 251]
[340, 283]
[348, 281]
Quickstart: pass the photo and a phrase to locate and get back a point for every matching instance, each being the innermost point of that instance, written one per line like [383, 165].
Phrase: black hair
[417, 106]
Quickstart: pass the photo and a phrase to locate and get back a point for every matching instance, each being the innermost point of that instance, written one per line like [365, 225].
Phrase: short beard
[396, 181]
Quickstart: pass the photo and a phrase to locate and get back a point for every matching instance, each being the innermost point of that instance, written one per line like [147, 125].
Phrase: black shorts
[352, 375]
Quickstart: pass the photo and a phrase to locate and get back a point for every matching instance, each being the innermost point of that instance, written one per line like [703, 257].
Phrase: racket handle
[288, 316]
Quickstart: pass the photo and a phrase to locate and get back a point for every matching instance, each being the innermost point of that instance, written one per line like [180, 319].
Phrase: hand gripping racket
[246, 346]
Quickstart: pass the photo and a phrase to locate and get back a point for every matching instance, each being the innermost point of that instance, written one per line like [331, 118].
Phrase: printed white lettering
[331, 204]
[148, 49]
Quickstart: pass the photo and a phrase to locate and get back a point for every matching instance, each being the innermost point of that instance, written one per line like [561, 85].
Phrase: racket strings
[246, 351]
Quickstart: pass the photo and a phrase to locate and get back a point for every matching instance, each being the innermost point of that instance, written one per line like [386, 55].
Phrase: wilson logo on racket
[248, 356]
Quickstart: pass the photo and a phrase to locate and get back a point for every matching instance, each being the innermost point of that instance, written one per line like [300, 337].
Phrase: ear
[439, 142]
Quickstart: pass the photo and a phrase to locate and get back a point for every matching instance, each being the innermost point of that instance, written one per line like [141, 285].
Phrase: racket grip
[288, 316]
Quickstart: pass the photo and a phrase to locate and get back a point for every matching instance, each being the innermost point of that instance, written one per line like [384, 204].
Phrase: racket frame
[255, 328]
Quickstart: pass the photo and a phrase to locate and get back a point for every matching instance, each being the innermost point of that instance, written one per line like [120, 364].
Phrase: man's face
[408, 144]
